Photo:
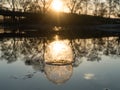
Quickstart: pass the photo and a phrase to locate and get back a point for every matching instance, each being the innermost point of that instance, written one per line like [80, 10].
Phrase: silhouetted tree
[110, 7]
[45, 5]
[96, 6]
[117, 7]
[0, 4]
[102, 9]
[74, 5]
[86, 4]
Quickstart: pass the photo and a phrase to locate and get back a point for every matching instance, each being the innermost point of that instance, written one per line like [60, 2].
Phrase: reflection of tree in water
[79, 51]
[93, 49]
[86, 48]
[8, 50]
[25, 48]
[32, 49]
[112, 46]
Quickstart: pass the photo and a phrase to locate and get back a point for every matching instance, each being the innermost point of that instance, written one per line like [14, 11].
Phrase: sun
[57, 5]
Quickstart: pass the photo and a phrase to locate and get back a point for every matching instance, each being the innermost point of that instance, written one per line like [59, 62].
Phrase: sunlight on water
[58, 74]
[58, 52]
[56, 37]
[57, 28]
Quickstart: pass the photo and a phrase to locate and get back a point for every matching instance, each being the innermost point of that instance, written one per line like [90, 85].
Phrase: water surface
[95, 63]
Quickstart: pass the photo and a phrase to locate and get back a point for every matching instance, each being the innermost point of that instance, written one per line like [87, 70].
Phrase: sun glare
[58, 52]
[57, 5]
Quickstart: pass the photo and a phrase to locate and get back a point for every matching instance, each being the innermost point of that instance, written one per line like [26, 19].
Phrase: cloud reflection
[89, 76]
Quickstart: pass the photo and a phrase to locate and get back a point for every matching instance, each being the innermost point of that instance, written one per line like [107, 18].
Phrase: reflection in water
[57, 28]
[34, 51]
[89, 76]
[58, 74]
[58, 52]
[25, 48]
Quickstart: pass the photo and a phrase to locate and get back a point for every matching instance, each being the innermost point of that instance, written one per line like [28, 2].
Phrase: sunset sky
[57, 5]
[66, 6]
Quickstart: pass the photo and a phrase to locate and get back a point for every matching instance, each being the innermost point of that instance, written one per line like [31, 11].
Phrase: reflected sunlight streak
[58, 52]
[56, 37]
[57, 28]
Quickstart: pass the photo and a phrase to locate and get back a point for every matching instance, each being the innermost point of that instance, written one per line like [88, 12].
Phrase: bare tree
[102, 9]
[110, 7]
[34, 6]
[117, 7]
[96, 6]
[74, 5]
[86, 4]
[24, 5]
[1, 4]
[45, 5]
[13, 4]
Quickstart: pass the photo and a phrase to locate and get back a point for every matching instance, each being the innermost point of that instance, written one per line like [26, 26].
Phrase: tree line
[106, 8]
